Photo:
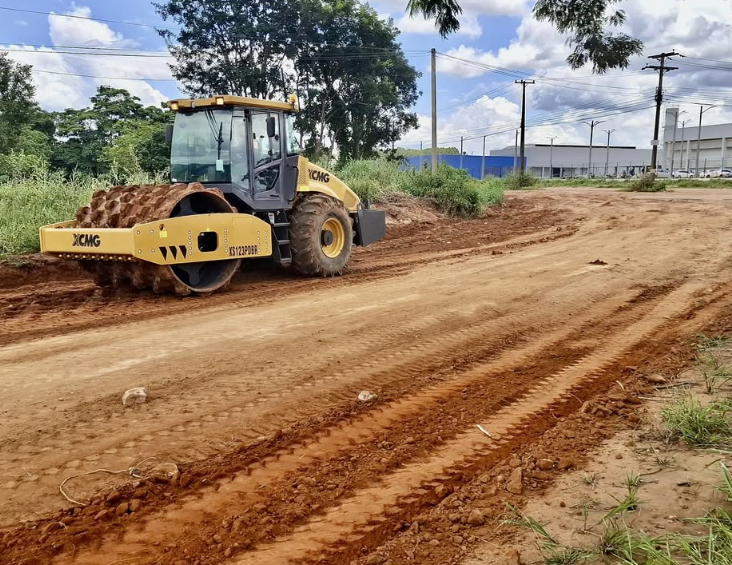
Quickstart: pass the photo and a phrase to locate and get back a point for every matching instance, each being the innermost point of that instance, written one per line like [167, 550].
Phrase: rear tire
[321, 235]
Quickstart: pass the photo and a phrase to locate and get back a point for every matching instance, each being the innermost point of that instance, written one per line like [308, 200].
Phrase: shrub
[454, 191]
[14, 166]
[372, 180]
[647, 183]
[520, 181]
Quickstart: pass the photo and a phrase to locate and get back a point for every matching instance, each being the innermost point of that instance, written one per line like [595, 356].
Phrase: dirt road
[511, 321]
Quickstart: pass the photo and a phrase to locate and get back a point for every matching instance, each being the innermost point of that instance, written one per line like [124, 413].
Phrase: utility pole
[551, 157]
[421, 156]
[662, 70]
[673, 143]
[607, 155]
[515, 153]
[592, 125]
[523, 84]
[461, 151]
[482, 163]
[698, 135]
[683, 130]
[434, 110]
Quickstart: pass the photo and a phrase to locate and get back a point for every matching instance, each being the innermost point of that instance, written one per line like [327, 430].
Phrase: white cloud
[697, 28]
[68, 90]
[75, 31]
[21, 23]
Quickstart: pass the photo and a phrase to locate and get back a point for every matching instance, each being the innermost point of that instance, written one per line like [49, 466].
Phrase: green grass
[453, 191]
[707, 426]
[619, 543]
[705, 342]
[29, 203]
[26, 205]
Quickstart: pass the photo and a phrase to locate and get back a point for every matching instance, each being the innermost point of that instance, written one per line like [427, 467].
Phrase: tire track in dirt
[35, 302]
[249, 484]
[390, 365]
[354, 523]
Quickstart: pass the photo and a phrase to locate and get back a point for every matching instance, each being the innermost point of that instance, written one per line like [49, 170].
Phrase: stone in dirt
[545, 464]
[366, 396]
[476, 518]
[133, 396]
[514, 462]
[122, 509]
[135, 504]
[617, 396]
[655, 379]
[441, 491]
[374, 560]
[165, 472]
[515, 481]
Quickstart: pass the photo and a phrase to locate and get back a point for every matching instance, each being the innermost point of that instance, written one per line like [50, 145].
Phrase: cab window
[265, 149]
[293, 145]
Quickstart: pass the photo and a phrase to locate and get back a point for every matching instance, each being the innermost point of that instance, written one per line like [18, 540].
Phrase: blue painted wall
[494, 166]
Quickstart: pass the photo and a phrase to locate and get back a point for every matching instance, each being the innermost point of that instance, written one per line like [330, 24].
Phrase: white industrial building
[682, 145]
[567, 161]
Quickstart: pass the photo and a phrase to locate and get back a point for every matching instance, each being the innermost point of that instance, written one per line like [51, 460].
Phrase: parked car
[682, 174]
[719, 173]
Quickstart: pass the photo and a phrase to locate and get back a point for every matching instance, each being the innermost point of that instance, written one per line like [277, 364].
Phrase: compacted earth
[479, 349]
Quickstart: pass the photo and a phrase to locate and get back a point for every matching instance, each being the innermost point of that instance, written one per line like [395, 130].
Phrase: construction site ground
[490, 345]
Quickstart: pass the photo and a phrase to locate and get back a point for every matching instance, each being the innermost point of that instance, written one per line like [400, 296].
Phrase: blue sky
[472, 100]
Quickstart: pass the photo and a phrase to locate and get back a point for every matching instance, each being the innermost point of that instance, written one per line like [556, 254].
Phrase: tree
[444, 12]
[585, 20]
[140, 147]
[356, 85]
[231, 46]
[85, 134]
[16, 101]
[359, 85]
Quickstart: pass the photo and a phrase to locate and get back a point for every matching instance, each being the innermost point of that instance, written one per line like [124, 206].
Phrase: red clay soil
[515, 331]
[42, 296]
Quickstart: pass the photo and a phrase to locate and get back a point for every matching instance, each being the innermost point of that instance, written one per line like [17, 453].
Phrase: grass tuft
[707, 426]
[705, 342]
[521, 181]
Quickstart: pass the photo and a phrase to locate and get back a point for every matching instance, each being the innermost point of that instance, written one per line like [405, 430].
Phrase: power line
[54, 52]
[76, 17]
[101, 77]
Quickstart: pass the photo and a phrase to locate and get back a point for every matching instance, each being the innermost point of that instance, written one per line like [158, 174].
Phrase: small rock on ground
[133, 396]
[476, 518]
[366, 396]
[515, 481]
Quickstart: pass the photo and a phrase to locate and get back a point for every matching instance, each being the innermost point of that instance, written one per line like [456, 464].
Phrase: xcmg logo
[86, 240]
[320, 176]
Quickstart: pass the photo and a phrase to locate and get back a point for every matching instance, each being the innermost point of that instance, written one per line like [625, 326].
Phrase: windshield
[201, 146]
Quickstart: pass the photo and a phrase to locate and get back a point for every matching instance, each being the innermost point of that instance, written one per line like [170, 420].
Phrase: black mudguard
[370, 226]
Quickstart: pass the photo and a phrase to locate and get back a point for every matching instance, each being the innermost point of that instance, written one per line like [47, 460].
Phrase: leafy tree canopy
[354, 82]
[17, 105]
[83, 135]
